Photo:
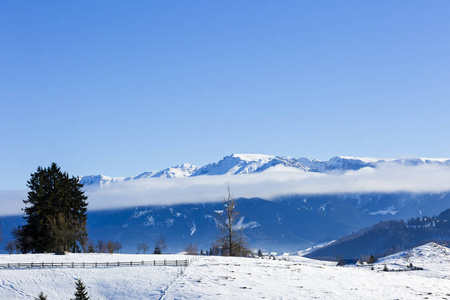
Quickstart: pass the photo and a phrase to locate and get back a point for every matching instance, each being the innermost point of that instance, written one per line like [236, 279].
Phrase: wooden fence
[183, 262]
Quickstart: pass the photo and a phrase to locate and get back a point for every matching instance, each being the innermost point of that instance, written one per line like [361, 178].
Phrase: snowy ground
[236, 278]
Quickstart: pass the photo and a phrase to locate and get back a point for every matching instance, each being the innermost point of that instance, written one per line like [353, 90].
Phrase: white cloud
[268, 185]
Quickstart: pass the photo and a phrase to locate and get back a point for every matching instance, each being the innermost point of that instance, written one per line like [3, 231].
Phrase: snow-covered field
[234, 278]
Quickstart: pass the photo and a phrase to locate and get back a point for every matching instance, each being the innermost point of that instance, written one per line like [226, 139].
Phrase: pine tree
[41, 296]
[260, 253]
[91, 248]
[371, 259]
[81, 293]
[55, 212]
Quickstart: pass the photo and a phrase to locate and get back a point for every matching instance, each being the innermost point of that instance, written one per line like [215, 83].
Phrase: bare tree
[191, 249]
[117, 247]
[113, 247]
[142, 246]
[101, 246]
[9, 247]
[160, 245]
[17, 234]
[110, 246]
[231, 238]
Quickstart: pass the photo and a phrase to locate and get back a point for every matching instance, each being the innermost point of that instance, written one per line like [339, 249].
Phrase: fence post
[96, 264]
[42, 264]
[72, 264]
[154, 262]
[107, 264]
[142, 262]
[164, 261]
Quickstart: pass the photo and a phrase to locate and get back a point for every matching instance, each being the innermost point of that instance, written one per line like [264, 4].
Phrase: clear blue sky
[120, 88]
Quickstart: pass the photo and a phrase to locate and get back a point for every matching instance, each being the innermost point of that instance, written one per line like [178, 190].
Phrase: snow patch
[193, 228]
[389, 211]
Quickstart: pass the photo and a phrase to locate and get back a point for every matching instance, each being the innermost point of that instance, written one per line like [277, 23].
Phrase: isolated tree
[55, 212]
[160, 245]
[81, 292]
[192, 249]
[231, 238]
[260, 253]
[41, 296]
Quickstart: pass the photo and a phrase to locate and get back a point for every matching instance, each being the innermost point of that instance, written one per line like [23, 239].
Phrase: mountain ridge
[240, 164]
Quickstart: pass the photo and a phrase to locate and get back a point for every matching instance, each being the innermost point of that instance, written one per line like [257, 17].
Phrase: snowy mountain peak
[100, 180]
[183, 170]
[253, 157]
[237, 164]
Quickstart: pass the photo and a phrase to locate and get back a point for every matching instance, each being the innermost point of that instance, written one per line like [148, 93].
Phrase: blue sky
[120, 88]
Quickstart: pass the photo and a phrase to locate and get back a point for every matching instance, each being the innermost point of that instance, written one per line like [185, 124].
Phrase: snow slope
[431, 256]
[231, 278]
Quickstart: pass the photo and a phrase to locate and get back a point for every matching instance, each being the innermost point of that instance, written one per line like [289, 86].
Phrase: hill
[216, 277]
[387, 237]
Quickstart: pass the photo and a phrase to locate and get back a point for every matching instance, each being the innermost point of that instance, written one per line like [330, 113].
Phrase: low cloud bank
[272, 183]
[11, 202]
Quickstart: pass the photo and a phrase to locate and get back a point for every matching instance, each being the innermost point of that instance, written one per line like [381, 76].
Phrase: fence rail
[183, 262]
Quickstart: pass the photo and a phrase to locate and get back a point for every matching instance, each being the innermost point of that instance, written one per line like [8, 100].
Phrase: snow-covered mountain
[236, 164]
[133, 209]
[183, 170]
[100, 180]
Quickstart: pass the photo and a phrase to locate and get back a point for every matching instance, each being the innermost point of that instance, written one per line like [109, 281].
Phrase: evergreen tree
[55, 212]
[260, 253]
[91, 248]
[41, 296]
[371, 259]
[81, 293]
